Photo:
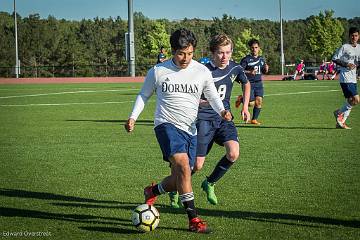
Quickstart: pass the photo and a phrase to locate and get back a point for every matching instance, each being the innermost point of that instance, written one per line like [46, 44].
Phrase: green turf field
[70, 171]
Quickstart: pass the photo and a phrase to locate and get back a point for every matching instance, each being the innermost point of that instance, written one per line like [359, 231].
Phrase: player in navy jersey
[254, 65]
[161, 56]
[210, 127]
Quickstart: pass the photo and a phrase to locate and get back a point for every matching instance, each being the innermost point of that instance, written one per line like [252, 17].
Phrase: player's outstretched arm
[245, 114]
[129, 125]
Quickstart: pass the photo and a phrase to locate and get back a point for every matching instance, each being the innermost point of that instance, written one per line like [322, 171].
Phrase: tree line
[58, 47]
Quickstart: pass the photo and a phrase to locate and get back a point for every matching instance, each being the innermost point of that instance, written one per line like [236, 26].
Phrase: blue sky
[171, 9]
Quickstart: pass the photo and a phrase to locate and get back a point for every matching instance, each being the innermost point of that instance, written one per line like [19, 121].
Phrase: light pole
[130, 41]
[17, 63]
[282, 58]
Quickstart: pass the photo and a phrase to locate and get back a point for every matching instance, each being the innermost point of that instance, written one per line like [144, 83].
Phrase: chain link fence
[74, 71]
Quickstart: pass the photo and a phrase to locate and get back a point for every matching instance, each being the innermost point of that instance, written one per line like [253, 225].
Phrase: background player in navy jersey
[179, 84]
[161, 57]
[254, 66]
[212, 128]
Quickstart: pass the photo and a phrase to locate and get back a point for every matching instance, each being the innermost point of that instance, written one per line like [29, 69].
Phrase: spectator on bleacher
[300, 70]
[331, 70]
[322, 69]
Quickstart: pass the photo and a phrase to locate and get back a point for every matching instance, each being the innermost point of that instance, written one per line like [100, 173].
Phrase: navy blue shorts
[173, 140]
[349, 89]
[213, 131]
[257, 90]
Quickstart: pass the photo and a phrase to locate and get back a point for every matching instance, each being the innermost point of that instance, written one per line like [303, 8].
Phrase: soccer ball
[145, 217]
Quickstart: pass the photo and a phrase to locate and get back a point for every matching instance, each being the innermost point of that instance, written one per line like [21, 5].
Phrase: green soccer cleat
[210, 192]
[174, 200]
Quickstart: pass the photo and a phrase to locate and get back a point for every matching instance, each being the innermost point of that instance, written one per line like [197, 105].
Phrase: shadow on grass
[78, 202]
[284, 127]
[123, 226]
[81, 218]
[138, 122]
[47, 196]
[281, 218]
[110, 230]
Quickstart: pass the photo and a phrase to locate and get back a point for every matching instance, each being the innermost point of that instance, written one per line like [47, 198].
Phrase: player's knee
[199, 163]
[181, 166]
[258, 102]
[232, 156]
[252, 104]
[197, 167]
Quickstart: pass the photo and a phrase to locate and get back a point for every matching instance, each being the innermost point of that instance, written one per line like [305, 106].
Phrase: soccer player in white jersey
[178, 84]
[211, 127]
[347, 58]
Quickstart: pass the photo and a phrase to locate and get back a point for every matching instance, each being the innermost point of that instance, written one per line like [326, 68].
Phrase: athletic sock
[345, 107]
[220, 169]
[346, 114]
[256, 113]
[158, 189]
[187, 199]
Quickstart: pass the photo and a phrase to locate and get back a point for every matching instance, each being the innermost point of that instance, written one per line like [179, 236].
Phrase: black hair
[182, 38]
[353, 30]
[253, 41]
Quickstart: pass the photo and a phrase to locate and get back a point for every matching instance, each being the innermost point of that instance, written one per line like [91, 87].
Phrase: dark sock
[256, 113]
[190, 209]
[187, 200]
[221, 168]
[155, 190]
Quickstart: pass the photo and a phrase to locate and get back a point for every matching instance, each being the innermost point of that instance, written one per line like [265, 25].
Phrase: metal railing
[73, 71]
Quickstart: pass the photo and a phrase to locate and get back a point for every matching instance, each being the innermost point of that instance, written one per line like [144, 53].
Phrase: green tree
[155, 38]
[325, 34]
[241, 48]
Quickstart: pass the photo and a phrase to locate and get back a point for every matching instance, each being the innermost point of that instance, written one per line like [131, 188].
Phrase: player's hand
[245, 115]
[266, 68]
[351, 66]
[225, 114]
[252, 72]
[130, 125]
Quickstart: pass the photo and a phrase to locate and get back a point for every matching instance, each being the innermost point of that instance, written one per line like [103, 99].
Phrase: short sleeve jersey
[224, 80]
[348, 54]
[250, 62]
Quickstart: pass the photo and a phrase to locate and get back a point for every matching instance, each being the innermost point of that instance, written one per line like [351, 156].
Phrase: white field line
[298, 93]
[98, 103]
[61, 104]
[62, 93]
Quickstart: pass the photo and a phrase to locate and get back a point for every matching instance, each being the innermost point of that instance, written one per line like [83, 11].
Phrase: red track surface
[91, 80]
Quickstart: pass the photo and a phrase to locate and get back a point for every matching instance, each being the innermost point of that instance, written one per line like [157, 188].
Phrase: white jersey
[348, 54]
[178, 93]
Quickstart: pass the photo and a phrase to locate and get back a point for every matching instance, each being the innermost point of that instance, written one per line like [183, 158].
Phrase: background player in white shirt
[347, 58]
[178, 84]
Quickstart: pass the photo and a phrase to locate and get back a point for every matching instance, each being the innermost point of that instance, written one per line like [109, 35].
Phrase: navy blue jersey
[249, 63]
[224, 80]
